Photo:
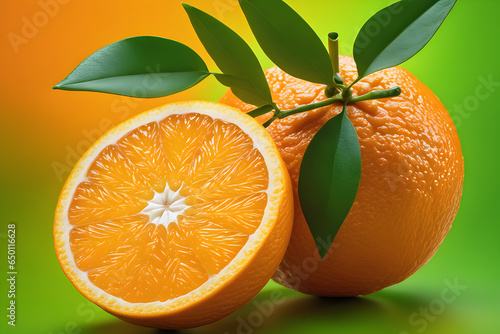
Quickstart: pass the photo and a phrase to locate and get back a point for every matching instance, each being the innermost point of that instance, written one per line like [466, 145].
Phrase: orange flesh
[214, 166]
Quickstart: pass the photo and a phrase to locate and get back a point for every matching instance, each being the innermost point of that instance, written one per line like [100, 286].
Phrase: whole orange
[410, 187]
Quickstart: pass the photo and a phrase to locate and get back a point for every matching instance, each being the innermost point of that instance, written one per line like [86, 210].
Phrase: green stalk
[269, 121]
[260, 111]
[378, 94]
[311, 106]
[353, 83]
[375, 95]
[333, 47]
[277, 112]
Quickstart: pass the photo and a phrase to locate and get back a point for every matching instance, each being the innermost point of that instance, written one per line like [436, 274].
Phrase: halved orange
[177, 217]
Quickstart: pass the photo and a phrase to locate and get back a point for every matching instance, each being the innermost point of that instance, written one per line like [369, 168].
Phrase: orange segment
[242, 214]
[214, 247]
[222, 148]
[167, 207]
[181, 136]
[92, 244]
[112, 170]
[143, 147]
[94, 203]
[223, 185]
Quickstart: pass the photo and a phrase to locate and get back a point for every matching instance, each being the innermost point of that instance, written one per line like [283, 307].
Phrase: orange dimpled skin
[410, 187]
[177, 217]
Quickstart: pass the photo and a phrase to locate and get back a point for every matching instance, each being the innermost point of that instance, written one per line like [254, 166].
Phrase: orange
[177, 217]
[410, 187]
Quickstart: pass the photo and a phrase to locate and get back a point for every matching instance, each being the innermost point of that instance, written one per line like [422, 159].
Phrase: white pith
[165, 207]
[262, 142]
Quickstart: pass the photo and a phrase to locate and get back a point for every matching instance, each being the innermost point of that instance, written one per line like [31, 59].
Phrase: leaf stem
[311, 106]
[378, 94]
[269, 121]
[275, 107]
[277, 112]
[260, 111]
[353, 83]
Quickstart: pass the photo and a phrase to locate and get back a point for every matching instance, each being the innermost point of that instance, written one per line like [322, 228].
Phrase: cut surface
[166, 207]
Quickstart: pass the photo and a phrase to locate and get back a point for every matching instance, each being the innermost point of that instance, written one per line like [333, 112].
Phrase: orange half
[177, 217]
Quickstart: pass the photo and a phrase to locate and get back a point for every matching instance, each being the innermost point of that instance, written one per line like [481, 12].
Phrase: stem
[276, 109]
[353, 83]
[269, 121]
[378, 94]
[311, 106]
[347, 95]
[260, 111]
[333, 47]
[277, 112]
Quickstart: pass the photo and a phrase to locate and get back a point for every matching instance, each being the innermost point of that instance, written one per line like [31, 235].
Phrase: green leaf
[288, 40]
[329, 178]
[241, 68]
[242, 88]
[143, 66]
[397, 33]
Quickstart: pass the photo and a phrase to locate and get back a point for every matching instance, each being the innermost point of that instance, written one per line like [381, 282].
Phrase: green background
[463, 54]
